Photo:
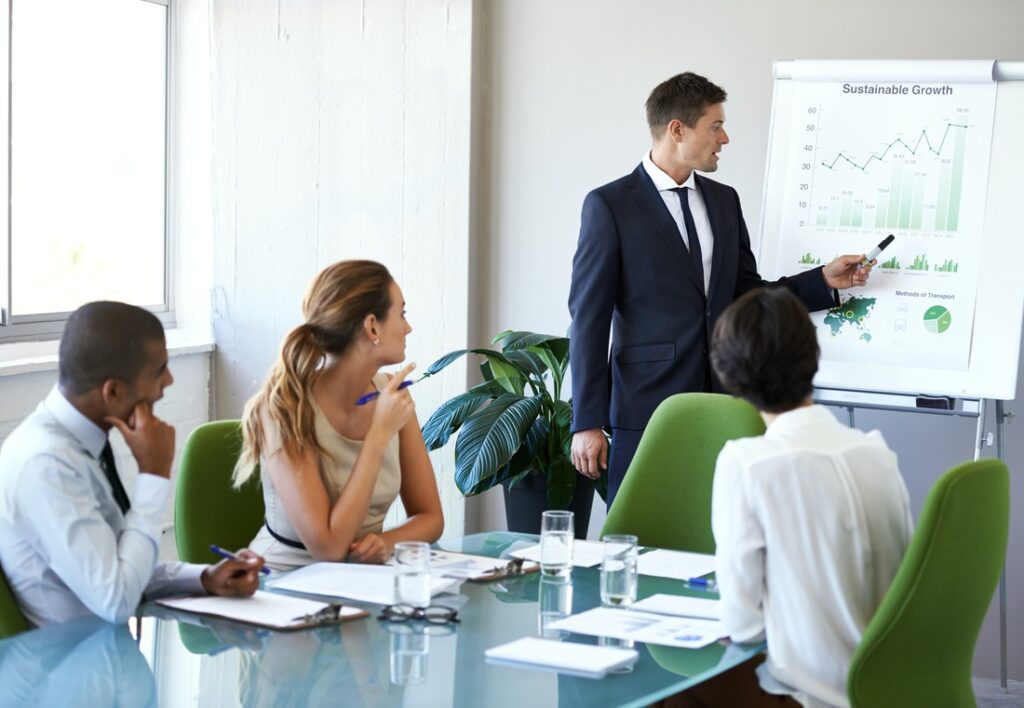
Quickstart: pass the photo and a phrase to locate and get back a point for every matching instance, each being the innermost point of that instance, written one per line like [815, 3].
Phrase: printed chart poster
[869, 159]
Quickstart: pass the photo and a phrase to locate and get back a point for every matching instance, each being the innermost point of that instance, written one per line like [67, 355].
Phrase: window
[86, 155]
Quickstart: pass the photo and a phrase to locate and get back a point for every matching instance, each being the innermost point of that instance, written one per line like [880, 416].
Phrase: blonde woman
[332, 468]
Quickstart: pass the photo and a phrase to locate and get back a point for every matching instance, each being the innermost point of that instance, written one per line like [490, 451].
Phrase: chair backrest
[12, 621]
[918, 647]
[665, 498]
[207, 508]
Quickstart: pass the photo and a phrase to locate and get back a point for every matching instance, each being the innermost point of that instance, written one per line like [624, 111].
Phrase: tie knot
[680, 190]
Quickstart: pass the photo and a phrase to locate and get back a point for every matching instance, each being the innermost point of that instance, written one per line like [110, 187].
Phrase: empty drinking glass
[412, 573]
[556, 539]
[618, 570]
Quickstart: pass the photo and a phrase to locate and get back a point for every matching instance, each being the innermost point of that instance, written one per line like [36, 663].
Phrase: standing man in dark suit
[662, 252]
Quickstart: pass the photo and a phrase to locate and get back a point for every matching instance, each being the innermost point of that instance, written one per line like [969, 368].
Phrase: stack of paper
[564, 657]
[363, 583]
[679, 606]
[585, 554]
[264, 609]
[469, 567]
[684, 632]
[679, 565]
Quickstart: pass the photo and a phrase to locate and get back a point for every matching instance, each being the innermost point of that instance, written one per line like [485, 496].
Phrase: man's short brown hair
[764, 349]
[684, 97]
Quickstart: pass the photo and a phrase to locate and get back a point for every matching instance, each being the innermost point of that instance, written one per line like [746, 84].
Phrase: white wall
[340, 130]
[562, 87]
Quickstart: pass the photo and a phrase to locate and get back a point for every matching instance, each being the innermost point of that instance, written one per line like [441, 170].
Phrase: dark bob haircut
[765, 351]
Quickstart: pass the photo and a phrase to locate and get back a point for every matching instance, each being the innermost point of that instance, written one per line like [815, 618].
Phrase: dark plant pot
[525, 502]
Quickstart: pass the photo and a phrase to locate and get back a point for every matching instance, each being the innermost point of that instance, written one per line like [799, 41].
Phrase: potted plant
[513, 430]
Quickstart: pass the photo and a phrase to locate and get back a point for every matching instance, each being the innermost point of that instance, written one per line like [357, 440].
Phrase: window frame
[50, 326]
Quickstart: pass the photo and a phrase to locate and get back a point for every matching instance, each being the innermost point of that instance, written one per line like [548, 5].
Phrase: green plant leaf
[508, 375]
[528, 361]
[450, 416]
[490, 438]
[450, 357]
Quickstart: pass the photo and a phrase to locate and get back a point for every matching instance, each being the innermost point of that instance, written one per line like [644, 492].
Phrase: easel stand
[964, 408]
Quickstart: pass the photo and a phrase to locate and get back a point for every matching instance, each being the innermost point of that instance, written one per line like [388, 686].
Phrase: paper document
[679, 606]
[683, 632]
[363, 583]
[679, 565]
[565, 657]
[448, 564]
[585, 554]
[265, 609]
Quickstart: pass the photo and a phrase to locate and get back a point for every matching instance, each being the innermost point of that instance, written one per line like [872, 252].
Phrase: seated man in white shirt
[811, 519]
[72, 544]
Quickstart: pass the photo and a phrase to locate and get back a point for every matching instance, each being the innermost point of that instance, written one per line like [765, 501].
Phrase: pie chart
[937, 319]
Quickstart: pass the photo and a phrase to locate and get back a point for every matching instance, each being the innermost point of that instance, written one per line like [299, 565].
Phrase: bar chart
[908, 183]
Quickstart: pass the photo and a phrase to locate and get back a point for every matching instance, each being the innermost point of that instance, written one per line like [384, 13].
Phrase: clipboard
[267, 609]
[478, 569]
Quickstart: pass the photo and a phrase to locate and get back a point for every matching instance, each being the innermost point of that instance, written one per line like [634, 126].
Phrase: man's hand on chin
[846, 272]
[235, 578]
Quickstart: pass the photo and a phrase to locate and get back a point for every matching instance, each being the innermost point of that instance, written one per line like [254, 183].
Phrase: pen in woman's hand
[231, 556]
[374, 394]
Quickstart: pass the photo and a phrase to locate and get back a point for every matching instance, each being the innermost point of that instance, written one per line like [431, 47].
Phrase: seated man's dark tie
[696, 256]
[110, 470]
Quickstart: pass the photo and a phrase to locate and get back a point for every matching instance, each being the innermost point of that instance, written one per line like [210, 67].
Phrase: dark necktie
[696, 257]
[110, 470]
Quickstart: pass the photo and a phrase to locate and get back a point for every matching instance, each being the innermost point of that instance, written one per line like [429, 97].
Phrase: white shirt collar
[661, 179]
[84, 430]
[801, 417]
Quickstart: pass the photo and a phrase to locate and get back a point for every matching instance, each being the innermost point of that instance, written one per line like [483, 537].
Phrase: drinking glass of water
[556, 538]
[618, 570]
[412, 573]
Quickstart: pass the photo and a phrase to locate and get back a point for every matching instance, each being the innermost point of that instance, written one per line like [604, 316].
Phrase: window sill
[30, 357]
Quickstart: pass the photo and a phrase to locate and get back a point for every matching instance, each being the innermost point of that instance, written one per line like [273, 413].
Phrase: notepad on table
[584, 660]
[678, 565]
[682, 632]
[449, 564]
[585, 554]
[264, 609]
[678, 606]
[351, 581]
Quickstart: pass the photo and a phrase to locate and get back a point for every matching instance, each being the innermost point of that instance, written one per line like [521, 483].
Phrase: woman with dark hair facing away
[331, 468]
[811, 519]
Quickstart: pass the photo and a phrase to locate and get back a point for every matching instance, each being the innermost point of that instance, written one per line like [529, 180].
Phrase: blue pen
[231, 556]
[708, 584]
[373, 396]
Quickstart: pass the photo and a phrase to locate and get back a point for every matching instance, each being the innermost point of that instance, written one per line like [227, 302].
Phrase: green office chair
[207, 508]
[12, 621]
[918, 647]
[665, 499]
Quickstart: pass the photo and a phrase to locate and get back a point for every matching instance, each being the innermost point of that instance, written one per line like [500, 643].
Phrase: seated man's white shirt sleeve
[740, 556]
[107, 571]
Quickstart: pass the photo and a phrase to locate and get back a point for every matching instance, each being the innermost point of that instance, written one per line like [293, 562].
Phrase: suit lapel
[712, 206]
[653, 207]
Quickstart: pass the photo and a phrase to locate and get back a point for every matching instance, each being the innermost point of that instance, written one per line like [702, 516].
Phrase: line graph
[907, 181]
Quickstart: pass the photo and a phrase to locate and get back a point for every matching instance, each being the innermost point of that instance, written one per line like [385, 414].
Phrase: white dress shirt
[811, 521]
[65, 546]
[664, 184]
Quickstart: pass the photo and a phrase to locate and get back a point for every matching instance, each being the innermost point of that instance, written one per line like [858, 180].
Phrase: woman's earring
[376, 341]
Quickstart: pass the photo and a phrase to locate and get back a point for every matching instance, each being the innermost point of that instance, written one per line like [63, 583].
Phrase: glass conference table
[171, 659]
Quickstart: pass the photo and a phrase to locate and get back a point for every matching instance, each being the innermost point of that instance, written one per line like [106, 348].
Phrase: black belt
[282, 539]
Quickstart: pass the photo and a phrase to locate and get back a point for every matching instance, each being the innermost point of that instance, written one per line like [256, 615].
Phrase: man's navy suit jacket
[632, 274]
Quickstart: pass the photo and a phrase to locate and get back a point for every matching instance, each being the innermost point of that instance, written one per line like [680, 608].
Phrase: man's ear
[676, 129]
[112, 391]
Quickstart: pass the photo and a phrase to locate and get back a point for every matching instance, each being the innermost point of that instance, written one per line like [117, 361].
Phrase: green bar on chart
[894, 194]
[882, 212]
[942, 201]
[906, 196]
[844, 219]
[858, 214]
[958, 178]
[822, 218]
[918, 204]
